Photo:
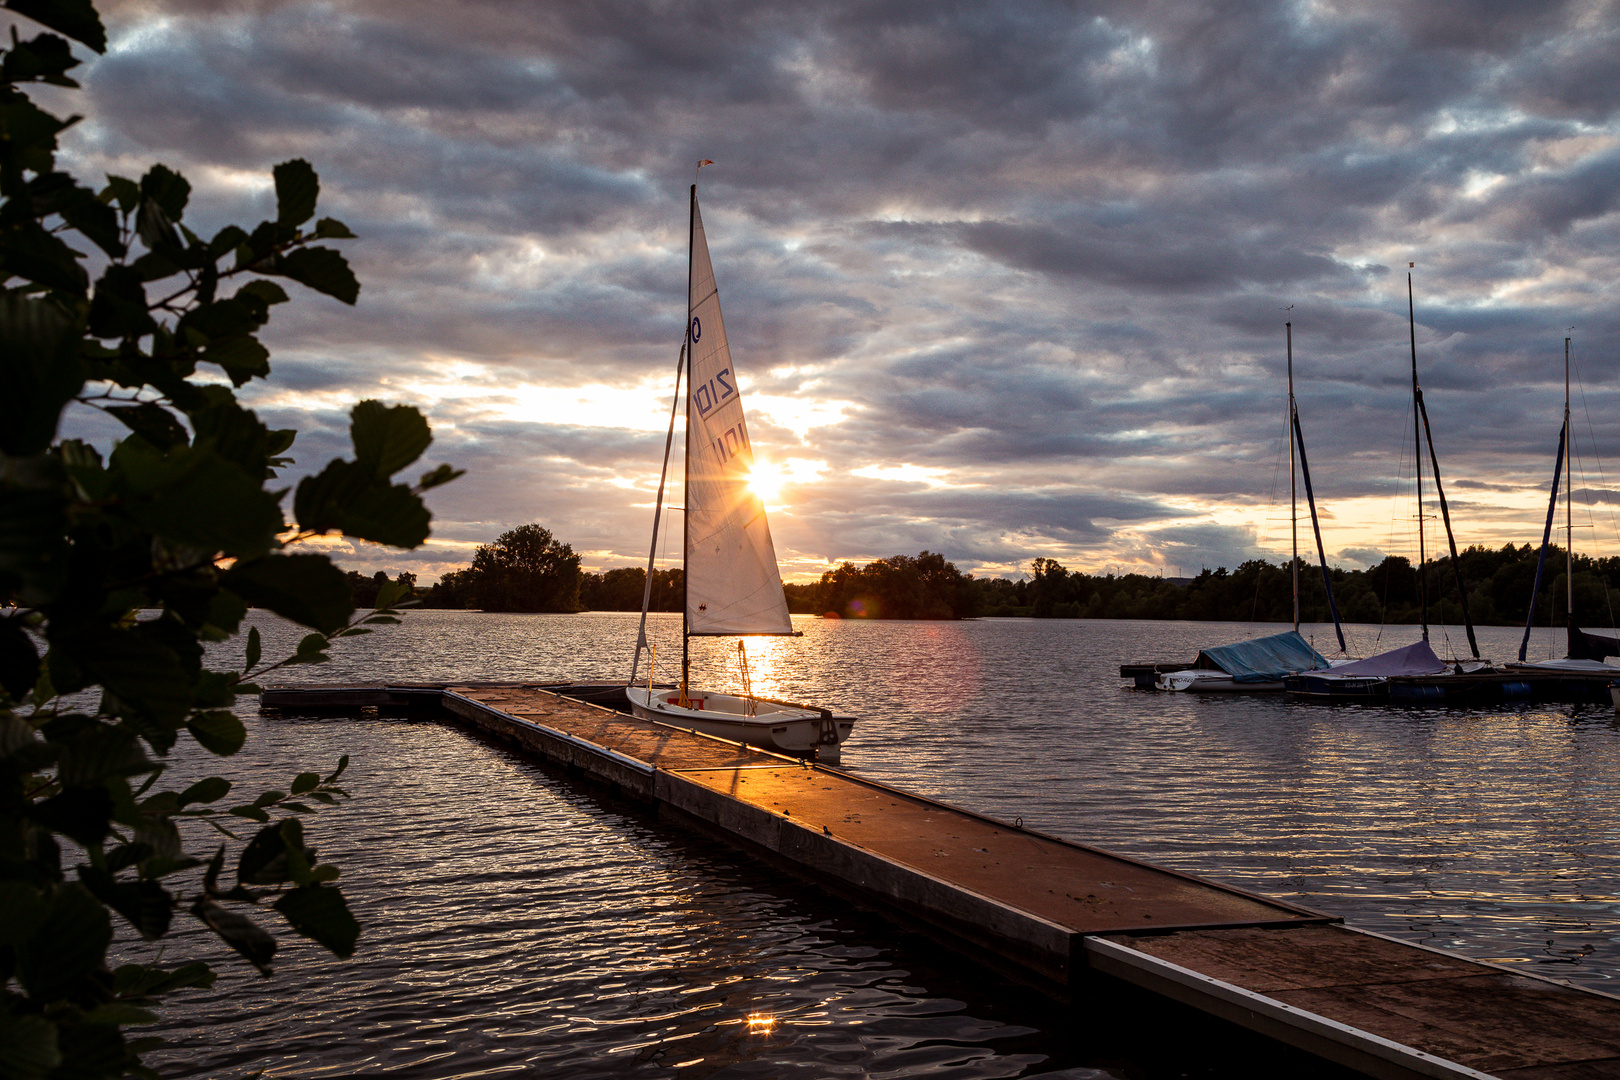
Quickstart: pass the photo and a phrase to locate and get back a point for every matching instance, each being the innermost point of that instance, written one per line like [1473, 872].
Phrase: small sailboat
[1381, 674]
[1264, 663]
[732, 584]
[1586, 652]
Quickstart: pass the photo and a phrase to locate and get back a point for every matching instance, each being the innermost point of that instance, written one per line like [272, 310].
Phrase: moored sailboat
[1585, 652]
[732, 584]
[1384, 673]
[1262, 664]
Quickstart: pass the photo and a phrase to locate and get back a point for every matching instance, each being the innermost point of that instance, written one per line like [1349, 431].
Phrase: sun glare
[766, 479]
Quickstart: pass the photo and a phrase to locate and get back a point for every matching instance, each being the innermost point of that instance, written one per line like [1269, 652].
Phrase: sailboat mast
[1569, 502]
[1417, 459]
[686, 463]
[1293, 497]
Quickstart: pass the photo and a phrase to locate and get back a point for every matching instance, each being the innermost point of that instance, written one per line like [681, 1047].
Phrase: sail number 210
[709, 394]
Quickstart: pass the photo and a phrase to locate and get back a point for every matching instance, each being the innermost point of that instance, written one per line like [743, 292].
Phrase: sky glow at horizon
[1000, 282]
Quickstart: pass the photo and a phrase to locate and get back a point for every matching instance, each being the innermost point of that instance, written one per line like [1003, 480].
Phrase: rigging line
[1276, 470]
[1394, 516]
[1451, 539]
[1603, 479]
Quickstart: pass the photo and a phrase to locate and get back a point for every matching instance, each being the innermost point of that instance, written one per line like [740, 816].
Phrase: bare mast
[1569, 502]
[1293, 499]
[686, 462]
[1417, 458]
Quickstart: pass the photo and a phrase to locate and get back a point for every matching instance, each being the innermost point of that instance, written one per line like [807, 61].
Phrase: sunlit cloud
[904, 474]
[1013, 290]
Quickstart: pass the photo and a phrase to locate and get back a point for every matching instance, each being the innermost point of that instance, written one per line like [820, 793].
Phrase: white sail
[732, 583]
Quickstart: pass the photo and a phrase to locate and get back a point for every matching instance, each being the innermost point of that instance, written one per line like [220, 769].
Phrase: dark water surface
[517, 923]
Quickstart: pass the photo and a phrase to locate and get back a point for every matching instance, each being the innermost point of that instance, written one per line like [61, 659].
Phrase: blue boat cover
[1264, 659]
[1414, 659]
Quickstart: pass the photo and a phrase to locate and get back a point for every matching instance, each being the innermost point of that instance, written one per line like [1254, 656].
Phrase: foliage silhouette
[116, 572]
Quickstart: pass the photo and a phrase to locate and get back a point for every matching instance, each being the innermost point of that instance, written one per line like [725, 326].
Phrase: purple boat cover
[1414, 659]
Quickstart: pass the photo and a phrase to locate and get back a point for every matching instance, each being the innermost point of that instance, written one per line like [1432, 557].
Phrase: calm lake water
[515, 922]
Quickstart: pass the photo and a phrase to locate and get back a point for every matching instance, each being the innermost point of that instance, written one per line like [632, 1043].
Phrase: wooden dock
[1056, 911]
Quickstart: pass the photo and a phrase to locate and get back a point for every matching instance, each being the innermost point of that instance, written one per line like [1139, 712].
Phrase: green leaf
[262, 291]
[213, 789]
[119, 1013]
[43, 58]
[118, 309]
[41, 373]
[94, 753]
[239, 932]
[253, 650]
[28, 1045]
[342, 765]
[311, 650]
[306, 781]
[25, 906]
[152, 422]
[307, 589]
[390, 594]
[297, 188]
[91, 217]
[195, 497]
[346, 497]
[387, 439]
[242, 358]
[121, 192]
[264, 861]
[320, 913]
[68, 945]
[75, 18]
[168, 189]
[146, 905]
[84, 815]
[148, 679]
[252, 813]
[441, 475]
[34, 254]
[136, 980]
[332, 229]
[19, 660]
[218, 731]
[322, 269]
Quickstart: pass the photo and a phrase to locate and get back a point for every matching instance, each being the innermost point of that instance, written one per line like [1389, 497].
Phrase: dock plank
[1465, 1011]
[1082, 889]
[1382, 1006]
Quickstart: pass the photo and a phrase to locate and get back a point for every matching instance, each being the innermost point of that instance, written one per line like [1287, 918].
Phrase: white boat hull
[1199, 681]
[770, 725]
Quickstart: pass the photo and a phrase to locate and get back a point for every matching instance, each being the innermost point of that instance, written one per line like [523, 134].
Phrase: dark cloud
[1042, 248]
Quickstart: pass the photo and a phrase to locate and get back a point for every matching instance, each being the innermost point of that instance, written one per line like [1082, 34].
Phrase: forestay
[732, 583]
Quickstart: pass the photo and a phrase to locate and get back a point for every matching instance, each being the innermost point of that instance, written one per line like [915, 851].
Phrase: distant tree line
[899, 587]
[1498, 584]
[527, 569]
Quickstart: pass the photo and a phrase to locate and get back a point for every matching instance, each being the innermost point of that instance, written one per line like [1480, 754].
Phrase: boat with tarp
[1260, 665]
[1254, 666]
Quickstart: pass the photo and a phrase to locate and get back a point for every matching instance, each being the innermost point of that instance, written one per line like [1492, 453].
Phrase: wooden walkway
[1056, 910]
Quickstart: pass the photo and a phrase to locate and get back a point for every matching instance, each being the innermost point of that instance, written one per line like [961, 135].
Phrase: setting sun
[766, 480]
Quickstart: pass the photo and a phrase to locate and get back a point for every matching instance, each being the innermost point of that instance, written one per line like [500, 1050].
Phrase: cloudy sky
[1001, 280]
